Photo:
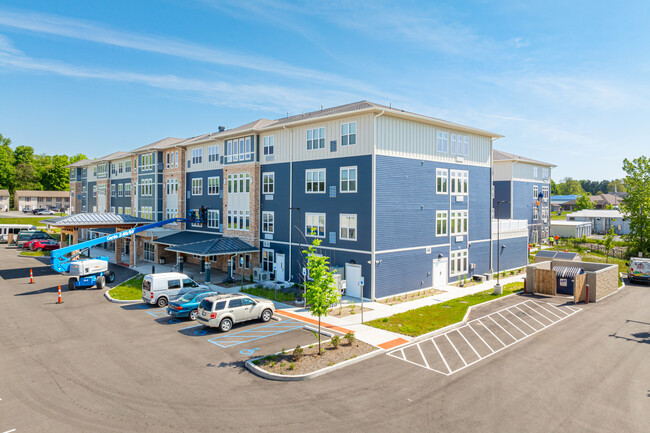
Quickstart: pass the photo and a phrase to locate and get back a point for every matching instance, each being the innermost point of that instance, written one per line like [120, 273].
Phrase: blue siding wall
[479, 254]
[514, 255]
[278, 203]
[502, 193]
[92, 201]
[405, 271]
[208, 201]
[523, 202]
[120, 201]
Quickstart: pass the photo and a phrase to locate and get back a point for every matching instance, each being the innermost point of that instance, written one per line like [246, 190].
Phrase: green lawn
[35, 253]
[594, 257]
[129, 290]
[269, 294]
[558, 217]
[35, 220]
[426, 319]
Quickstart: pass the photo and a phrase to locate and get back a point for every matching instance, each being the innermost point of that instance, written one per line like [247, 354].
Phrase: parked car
[639, 269]
[44, 245]
[158, 289]
[26, 209]
[187, 304]
[222, 311]
[38, 211]
[28, 245]
[30, 235]
[46, 212]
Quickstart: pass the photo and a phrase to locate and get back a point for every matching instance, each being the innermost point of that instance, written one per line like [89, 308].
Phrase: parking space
[455, 350]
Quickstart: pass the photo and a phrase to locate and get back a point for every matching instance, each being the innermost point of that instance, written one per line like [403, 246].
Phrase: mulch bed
[347, 310]
[398, 299]
[311, 361]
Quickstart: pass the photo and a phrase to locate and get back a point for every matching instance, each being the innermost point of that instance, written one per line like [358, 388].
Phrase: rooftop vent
[222, 128]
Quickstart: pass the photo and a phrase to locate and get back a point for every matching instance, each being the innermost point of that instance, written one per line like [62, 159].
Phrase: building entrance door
[279, 271]
[439, 273]
[353, 280]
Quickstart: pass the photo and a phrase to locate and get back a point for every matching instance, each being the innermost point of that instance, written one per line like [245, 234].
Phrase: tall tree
[616, 185]
[584, 202]
[7, 164]
[570, 186]
[57, 177]
[26, 178]
[78, 157]
[24, 155]
[636, 204]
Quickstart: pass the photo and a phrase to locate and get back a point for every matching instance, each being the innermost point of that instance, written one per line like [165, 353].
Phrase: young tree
[636, 205]
[608, 243]
[321, 291]
[570, 186]
[584, 202]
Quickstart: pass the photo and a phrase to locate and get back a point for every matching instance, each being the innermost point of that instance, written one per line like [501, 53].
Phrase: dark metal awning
[215, 247]
[95, 219]
[186, 237]
[103, 230]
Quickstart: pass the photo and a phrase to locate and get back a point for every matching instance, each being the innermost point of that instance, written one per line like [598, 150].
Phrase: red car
[28, 245]
[44, 245]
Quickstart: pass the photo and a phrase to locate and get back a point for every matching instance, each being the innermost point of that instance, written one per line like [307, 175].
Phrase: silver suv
[222, 311]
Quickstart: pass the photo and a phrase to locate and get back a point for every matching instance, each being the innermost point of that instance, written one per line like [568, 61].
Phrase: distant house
[4, 200]
[601, 220]
[30, 200]
[600, 201]
[570, 229]
[558, 201]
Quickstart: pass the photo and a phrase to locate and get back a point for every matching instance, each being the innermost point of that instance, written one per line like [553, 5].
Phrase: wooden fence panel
[545, 282]
[579, 288]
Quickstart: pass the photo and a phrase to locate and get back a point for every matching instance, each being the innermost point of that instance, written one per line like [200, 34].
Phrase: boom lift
[94, 272]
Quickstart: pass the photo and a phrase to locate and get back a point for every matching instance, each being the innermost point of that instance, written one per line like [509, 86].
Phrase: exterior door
[236, 307]
[279, 272]
[439, 273]
[353, 280]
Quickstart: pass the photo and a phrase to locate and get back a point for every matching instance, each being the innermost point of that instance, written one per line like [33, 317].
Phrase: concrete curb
[300, 377]
[119, 301]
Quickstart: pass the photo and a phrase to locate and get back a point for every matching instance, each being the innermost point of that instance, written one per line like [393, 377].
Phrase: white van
[639, 269]
[158, 289]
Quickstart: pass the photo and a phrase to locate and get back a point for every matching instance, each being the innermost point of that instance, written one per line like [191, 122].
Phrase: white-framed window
[315, 180]
[238, 220]
[146, 212]
[315, 225]
[535, 213]
[197, 186]
[95, 171]
[120, 167]
[458, 222]
[146, 161]
[544, 214]
[268, 221]
[348, 227]
[459, 145]
[146, 187]
[441, 181]
[268, 260]
[172, 186]
[316, 138]
[94, 190]
[458, 263]
[239, 183]
[268, 183]
[269, 147]
[459, 181]
[213, 185]
[348, 179]
[441, 223]
[545, 173]
[535, 172]
[127, 211]
[171, 213]
[113, 191]
[197, 155]
[120, 189]
[120, 210]
[169, 158]
[239, 149]
[112, 209]
[213, 153]
[442, 139]
[349, 134]
[102, 170]
[545, 192]
[213, 219]
[127, 190]
[127, 167]
[535, 191]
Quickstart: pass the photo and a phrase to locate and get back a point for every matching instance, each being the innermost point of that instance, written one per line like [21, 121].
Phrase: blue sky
[565, 82]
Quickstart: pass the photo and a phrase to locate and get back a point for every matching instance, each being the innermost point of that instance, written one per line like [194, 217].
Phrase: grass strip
[426, 319]
[130, 290]
[35, 253]
[263, 292]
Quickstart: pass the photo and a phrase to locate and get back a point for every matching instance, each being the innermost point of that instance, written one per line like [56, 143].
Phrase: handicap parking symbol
[173, 321]
[249, 352]
[143, 306]
[200, 332]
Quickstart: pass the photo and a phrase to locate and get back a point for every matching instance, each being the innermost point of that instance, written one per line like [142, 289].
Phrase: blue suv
[186, 305]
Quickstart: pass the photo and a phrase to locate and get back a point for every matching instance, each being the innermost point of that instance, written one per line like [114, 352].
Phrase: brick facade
[175, 173]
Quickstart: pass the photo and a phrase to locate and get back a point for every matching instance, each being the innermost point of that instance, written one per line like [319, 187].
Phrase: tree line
[21, 169]
[569, 186]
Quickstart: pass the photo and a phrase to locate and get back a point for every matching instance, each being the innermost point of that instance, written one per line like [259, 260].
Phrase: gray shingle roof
[160, 144]
[95, 219]
[185, 237]
[215, 247]
[355, 106]
[113, 156]
[499, 155]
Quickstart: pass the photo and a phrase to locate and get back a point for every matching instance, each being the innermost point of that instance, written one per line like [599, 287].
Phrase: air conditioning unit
[162, 260]
[257, 274]
[265, 276]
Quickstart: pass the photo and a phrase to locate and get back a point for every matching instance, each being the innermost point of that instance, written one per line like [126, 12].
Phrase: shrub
[284, 352]
[350, 337]
[298, 352]
[335, 341]
[292, 366]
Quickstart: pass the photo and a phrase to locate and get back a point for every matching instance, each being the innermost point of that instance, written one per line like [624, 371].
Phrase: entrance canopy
[96, 219]
[215, 247]
[186, 237]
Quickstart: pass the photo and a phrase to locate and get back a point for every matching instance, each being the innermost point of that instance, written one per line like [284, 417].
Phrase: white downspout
[373, 208]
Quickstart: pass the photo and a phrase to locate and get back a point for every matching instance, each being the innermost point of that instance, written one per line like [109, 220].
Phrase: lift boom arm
[61, 264]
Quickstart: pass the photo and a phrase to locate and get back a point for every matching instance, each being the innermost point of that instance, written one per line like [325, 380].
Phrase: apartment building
[30, 200]
[4, 200]
[401, 202]
[522, 189]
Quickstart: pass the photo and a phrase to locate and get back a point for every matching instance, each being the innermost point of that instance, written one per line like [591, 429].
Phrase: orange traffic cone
[59, 301]
[31, 277]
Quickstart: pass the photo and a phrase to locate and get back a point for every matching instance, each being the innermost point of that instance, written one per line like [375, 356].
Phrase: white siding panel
[410, 139]
[122, 175]
[526, 171]
[205, 165]
[503, 170]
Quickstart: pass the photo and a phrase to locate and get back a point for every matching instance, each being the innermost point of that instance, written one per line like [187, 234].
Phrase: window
[239, 183]
[94, 190]
[239, 149]
[535, 172]
[315, 180]
[268, 183]
[127, 190]
[535, 191]
[120, 210]
[459, 145]
[112, 209]
[268, 219]
[545, 192]
[459, 181]
[213, 219]
[545, 173]
[113, 190]
[213, 185]
[127, 166]
[316, 138]
[197, 186]
[441, 181]
[169, 158]
[171, 213]
[146, 187]
[238, 220]
[146, 161]
[102, 170]
[95, 171]
[120, 190]
[268, 145]
[315, 225]
[348, 179]
[146, 212]
[127, 211]
[176, 159]
[458, 262]
[213, 153]
[441, 142]
[349, 134]
[535, 213]
[197, 156]
[348, 227]
[172, 186]
[458, 222]
[544, 214]
[441, 223]
[268, 260]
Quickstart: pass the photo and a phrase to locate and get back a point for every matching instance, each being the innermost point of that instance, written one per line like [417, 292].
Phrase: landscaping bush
[335, 341]
[298, 352]
[350, 337]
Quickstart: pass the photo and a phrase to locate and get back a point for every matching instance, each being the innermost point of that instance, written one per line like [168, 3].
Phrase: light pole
[497, 287]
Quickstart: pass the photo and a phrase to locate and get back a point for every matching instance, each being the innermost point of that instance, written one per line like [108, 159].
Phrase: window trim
[458, 217]
[307, 142]
[212, 211]
[440, 172]
[198, 187]
[269, 175]
[217, 186]
[356, 179]
[317, 215]
[347, 217]
[459, 255]
[270, 222]
[349, 134]
[324, 180]
[443, 216]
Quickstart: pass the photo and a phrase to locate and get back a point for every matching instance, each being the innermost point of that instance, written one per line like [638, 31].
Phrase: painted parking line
[248, 335]
[158, 312]
[480, 338]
